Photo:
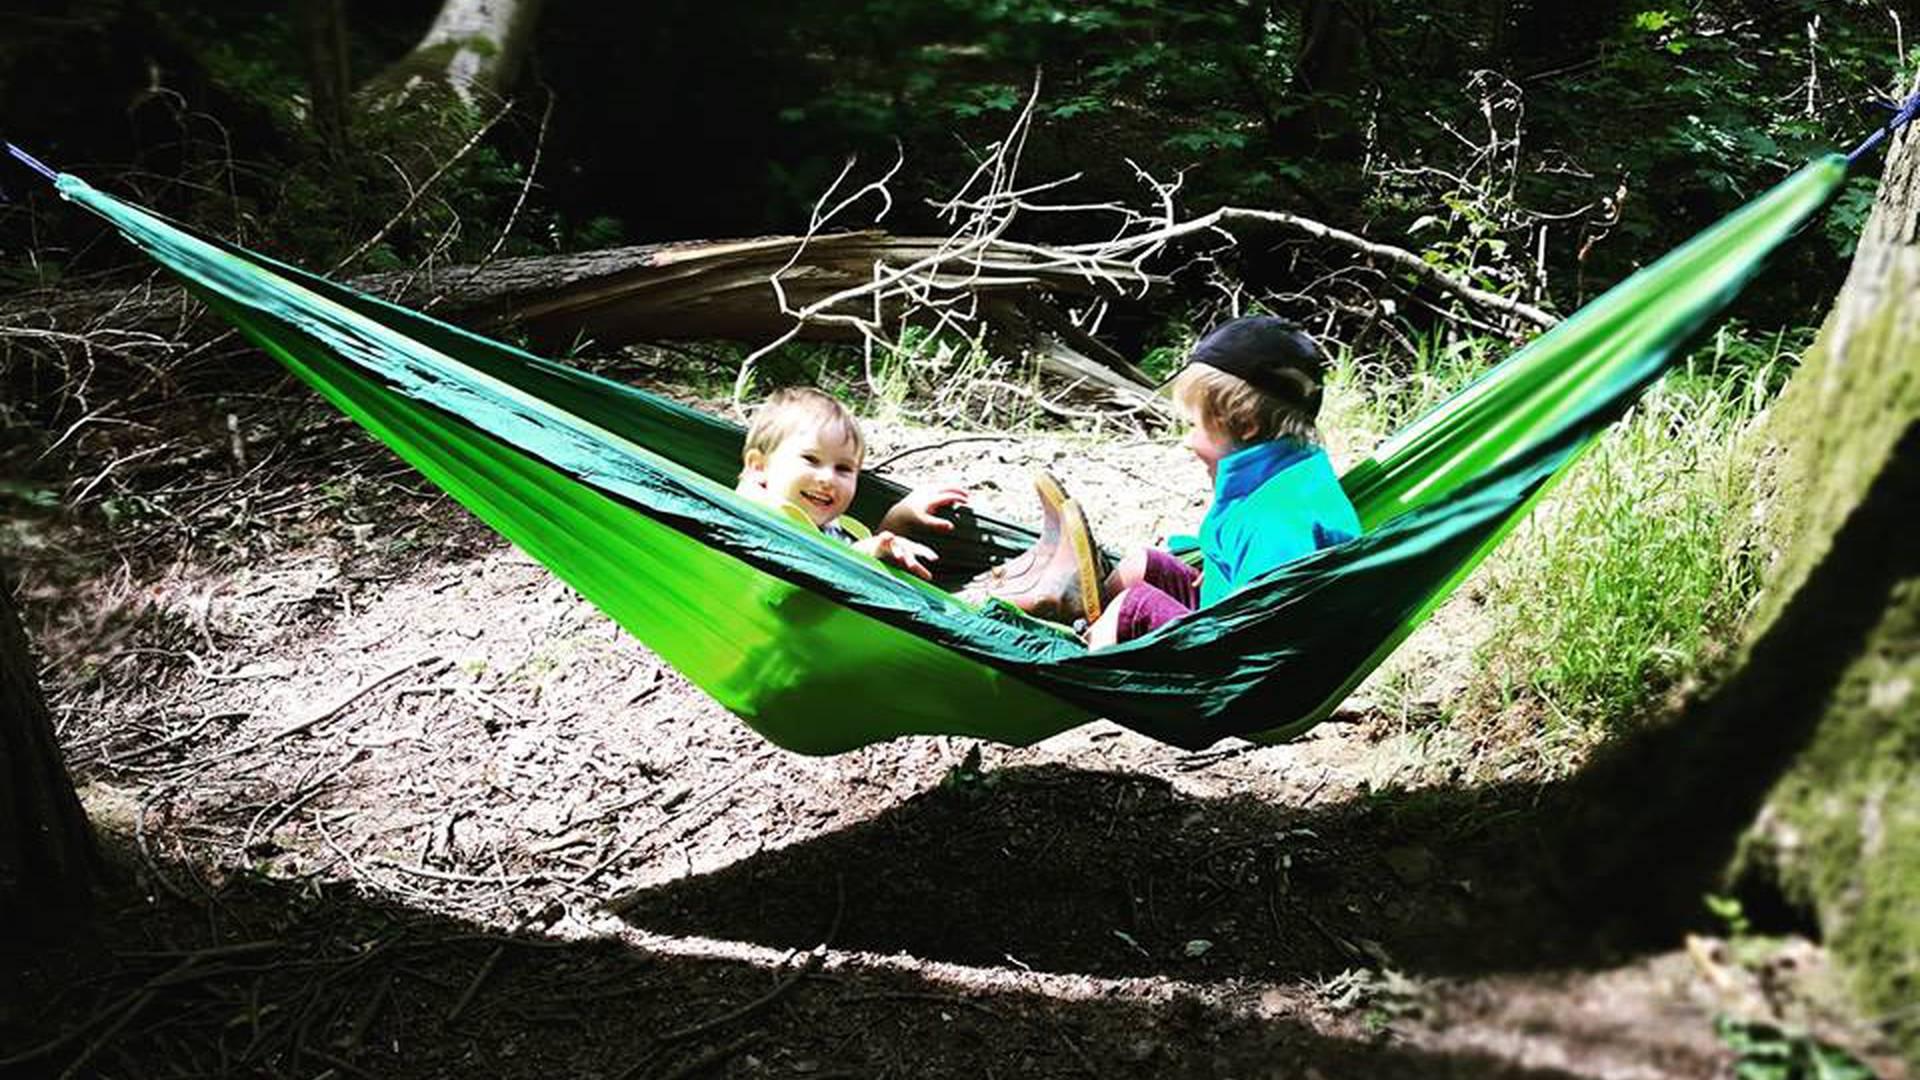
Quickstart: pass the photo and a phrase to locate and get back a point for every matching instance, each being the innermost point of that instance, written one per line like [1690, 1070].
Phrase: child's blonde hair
[1235, 407]
[799, 408]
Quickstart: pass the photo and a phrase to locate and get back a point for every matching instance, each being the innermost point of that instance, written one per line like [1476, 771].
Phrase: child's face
[1208, 442]
[814, 470]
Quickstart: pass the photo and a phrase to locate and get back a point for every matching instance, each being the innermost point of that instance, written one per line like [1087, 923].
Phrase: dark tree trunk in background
[48, 862]
[1332, 71]
[323, 38]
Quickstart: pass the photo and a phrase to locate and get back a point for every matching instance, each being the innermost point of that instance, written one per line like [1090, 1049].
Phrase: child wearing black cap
[1251, 389]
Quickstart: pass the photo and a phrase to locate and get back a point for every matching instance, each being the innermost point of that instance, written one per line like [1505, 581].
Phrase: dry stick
[1085, 1061]
[133, 1003]
[140, 1002]
[246, 841]
[214, 952]
[513, 215]
[912, 995]
[458, 879]
[814, 957]
[43, 1049]
[620, 905]
[436, 661]
[1400, 257]
[146, 853]
[807, 967]
[473, 987]
[890, 459]
[334, 1061]
[362, 1021]
[968, 248]
[143, 751]
[714, 1056]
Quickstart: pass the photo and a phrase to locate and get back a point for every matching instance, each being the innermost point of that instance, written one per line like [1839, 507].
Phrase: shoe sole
[1049, 488]
[1075, 530]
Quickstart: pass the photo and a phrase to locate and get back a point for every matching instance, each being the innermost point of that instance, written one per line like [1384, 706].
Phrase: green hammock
[627, 497]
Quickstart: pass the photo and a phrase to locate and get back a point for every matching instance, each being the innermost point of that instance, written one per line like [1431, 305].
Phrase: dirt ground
[387, 799]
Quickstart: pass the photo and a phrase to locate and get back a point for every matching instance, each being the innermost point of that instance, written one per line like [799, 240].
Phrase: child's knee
[1131, 571]
[1105, 630]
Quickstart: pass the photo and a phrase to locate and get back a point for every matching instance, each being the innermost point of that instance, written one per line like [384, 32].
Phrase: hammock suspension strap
[1903, 114]
[33, 163]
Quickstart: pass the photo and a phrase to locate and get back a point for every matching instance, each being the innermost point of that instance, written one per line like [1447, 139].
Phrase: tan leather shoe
[1013, 574]
[1066, 589]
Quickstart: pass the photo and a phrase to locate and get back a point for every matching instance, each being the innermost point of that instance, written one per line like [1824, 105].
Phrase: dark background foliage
[1467, 128]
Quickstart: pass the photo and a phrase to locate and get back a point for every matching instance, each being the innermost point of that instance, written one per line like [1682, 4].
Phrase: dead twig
[434, 663]
[473, 987]
[713, 1056]
[807, 967]
[420, 192]
[300, 800]
[910, 451]
[513, 215]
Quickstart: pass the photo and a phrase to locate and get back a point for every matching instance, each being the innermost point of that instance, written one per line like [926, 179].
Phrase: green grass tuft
[1634, 575]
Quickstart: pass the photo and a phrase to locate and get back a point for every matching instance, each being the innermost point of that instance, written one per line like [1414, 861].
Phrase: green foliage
[969, 777]
[1731, 912]
[1767, 1052]
[1844, 218]
[1636, 571]
[1372, 396]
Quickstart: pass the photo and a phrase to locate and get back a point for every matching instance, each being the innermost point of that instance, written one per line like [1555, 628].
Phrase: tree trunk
[474, 49]
[48, 862]
[1332, 69]
[702, 290]
[1840, 833]
[1798, 780]
[323, 39]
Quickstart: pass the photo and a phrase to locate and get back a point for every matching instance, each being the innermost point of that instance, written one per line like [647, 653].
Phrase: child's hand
[899, 551]
[916, 512]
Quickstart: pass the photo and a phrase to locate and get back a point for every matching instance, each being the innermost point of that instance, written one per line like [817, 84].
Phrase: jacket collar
[1240, 472]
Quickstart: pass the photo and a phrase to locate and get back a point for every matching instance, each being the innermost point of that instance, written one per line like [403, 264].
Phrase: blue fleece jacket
[1273, 502]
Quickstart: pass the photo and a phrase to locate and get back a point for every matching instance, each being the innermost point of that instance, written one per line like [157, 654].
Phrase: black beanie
[1272, 354]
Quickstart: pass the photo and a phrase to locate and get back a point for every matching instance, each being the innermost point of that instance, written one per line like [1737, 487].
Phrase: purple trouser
[1169, 589]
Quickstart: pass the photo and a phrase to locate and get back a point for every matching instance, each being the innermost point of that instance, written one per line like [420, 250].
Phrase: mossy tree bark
[1840, 832]
[48, 862]
[1798, 778]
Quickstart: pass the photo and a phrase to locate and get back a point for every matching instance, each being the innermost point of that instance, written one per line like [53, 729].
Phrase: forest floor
[387, 799]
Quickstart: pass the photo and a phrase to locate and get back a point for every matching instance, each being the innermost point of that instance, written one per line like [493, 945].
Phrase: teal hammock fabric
[628, 498]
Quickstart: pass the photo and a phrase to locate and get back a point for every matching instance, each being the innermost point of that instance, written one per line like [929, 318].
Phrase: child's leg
[1133, 613]
[1158, 567]
[1171, 575]
[1129, 572]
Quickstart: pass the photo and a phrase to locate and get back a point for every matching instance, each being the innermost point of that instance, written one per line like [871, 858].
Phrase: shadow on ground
[296, 978]
[1114, 875]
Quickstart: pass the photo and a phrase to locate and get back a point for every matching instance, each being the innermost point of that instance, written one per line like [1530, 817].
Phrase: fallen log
[1018, 296]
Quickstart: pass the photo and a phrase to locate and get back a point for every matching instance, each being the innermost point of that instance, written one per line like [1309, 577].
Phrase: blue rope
[32, 162]
[1902, 114]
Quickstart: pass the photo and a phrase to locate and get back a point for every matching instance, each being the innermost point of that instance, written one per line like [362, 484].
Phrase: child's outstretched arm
[918, 510]
[899, 551]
